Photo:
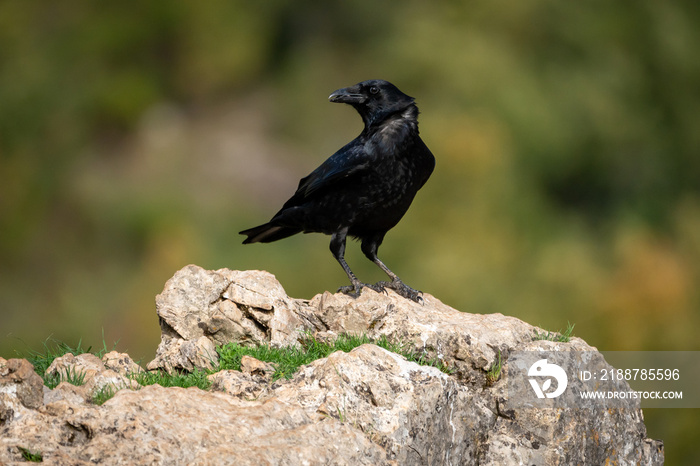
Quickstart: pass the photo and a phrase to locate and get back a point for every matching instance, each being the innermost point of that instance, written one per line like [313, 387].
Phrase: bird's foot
[353, 290]
[400, 288]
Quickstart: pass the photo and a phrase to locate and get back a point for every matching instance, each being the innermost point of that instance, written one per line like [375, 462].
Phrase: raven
[365, 188]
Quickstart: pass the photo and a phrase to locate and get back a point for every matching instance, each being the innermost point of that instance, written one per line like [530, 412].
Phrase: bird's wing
[348, 161]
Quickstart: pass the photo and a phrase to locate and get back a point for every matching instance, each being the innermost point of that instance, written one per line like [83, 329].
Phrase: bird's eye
[373, 90]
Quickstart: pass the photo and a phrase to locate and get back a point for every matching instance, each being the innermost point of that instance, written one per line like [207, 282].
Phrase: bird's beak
[348, 95]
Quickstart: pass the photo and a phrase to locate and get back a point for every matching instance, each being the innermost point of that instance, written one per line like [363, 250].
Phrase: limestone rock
[252, 308]
[468, 343]
[252, 382]
[199, 309]
[111, 380]
[86, 365]
[95, 375]
[157, 425]
[20, 389]
[64, 391]
[368, 406]
[239, 384]
[121, 363]
[256, 367]
[417, 413]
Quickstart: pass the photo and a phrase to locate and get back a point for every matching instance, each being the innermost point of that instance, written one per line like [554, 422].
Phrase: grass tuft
[287, 360]
[494, 373]
[41, 360]
[71, 376]
[31, 456]
[561, 337]
[103, 394]
[196, 378]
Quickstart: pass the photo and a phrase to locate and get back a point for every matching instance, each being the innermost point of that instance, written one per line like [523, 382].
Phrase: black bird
[365, 188]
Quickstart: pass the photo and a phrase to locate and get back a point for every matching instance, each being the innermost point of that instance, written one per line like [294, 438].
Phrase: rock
[94, 374]
[75, 395]
[417, 413]
[21, 389]
[239, 384]
[85, 365]
[368, 406]
[468, 343]
[233, 310]
[250, 383]
[586, 434]
[121, 363]
[200, 307]
[157, 425]
[179, 354]
[255, 367]
[109, 380]
[252, 308]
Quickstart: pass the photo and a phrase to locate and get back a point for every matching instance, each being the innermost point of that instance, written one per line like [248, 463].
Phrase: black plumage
[365, 188]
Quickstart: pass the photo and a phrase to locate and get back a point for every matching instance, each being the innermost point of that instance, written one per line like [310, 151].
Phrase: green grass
[493, 374]
[70, 376]
[196, 378]
[31, 456]
[41, 360]
[286, 361]
[103, 394]
[562, 337]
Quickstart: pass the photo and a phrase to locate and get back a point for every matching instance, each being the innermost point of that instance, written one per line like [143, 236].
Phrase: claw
[356, 289]
[352, 291]
[401, 289]
[380, 287]
[409, 293]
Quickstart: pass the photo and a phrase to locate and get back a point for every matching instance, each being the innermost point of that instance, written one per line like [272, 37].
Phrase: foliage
[52, 349]
[287, 360]
[70, 376]
[41, 360]
[103, 394]
[494, 373]
[31, 456]
[196, 378]
[562, 337]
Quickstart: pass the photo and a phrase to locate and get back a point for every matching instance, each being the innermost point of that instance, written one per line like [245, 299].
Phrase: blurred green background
[139, 137]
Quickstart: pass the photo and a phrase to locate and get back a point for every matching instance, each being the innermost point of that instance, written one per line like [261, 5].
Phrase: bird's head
[375, 100]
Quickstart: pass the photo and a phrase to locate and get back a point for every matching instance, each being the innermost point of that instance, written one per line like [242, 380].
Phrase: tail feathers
[268, 233]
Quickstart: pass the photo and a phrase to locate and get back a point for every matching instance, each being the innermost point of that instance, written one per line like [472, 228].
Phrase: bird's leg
[338, 250]
[397, 285]
[369, 248]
